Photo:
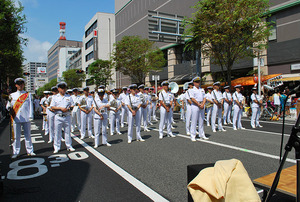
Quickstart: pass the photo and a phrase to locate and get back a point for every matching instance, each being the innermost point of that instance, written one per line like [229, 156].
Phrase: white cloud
[32, 3]
[36, 51]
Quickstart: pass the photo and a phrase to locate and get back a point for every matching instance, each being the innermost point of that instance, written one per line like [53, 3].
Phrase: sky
[43, 17]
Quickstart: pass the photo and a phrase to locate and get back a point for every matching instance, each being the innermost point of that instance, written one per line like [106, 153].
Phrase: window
[89, 43]
[91, 28]
[89, 56]
[273, 31]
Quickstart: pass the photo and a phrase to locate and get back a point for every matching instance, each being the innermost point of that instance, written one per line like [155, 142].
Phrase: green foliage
[73, 79]
[226, 30]
[47, 87]
[11, 27]
[100, 72]
[136, 57]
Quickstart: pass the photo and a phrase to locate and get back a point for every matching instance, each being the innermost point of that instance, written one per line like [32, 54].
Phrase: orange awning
[249, 80]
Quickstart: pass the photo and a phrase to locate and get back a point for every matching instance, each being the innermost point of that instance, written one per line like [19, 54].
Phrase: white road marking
[132, 180]
[55, 165]
[260, 191]
[235, 148]
[271, 122]
[260, 131]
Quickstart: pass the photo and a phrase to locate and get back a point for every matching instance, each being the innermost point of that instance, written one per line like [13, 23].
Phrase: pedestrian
[218, 100]
[85, 104]
[227, 105]
[20, 106]
[166, 101]
[100, 105]
[256, 103]
[114, 113]
[237, 108]
[209, 105]
[188, 115]
[198, 99]
[62, 104]
[276, 100]
[51, 114]
[134, 103]
[143, 109]
[124, 109]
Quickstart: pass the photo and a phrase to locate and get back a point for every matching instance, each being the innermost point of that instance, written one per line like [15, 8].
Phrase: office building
[37, 74]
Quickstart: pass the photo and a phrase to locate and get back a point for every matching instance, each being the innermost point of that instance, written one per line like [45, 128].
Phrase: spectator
[276, 100]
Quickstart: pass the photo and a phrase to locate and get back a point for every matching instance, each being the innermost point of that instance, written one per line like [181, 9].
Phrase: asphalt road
[151, 170]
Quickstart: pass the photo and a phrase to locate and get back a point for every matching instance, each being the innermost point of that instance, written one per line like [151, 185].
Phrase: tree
[226, 30]
[46, 87]
[11, 27]
[100, 72]
[136, 57]
[73, 79]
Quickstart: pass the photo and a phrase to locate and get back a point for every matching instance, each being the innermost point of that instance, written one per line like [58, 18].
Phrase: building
[98, 40]
[37, 75]
[57, 57]
[134, 17]
[75, 60]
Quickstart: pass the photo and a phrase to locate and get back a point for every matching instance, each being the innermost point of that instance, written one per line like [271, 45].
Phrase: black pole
[282, 131]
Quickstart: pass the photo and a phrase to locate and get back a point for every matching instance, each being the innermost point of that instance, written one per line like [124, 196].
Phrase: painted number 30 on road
[55, 160]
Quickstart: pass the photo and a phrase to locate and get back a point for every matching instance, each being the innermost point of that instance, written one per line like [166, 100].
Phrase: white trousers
[182, 114]
[100, 125]
[255, 116]
[153, 110]
[114, 121]
[144, 116]
[148, 113]
[62, 122]
[137, 120]
[51, 120]
[237, 117]
[86, 119]
[27, 134]
[208, 118]
[216, 113]
[76, 120]
[188, 118]
[46, 124]
[165, 118]
[227, 113]
[197, 118]
[124, 110]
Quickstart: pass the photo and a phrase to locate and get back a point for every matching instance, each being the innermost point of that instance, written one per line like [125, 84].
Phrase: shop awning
[289, 77]
[249, 80]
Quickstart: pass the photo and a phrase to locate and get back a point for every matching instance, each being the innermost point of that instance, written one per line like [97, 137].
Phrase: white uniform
[23, 117]
[188, 112]
[114, 117]
[86, 119]
[143, 99]
[237, 111]
[165, 117]
[134, 101]
[216, 111]
[227, 108]
[98, 123]
[197, 113]
[255, 110]
[45, 122]
[182, 102]
[124, 109]
[153, 110]
[172, 107]
[76, 120]
[149, 108]
[62, 120]
[208, 97]
[51, 119]
[37, 106]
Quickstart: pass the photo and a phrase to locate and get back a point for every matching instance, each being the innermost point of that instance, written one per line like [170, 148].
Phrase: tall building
[143, 18]
[57, 57]
[98, 40]
[37, 75]
[75, 60]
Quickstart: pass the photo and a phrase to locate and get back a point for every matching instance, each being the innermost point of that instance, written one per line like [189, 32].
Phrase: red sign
[95, 33]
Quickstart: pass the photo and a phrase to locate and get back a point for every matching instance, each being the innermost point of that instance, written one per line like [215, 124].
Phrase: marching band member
[114, 113]
[209, 105]
[69, 92]
[197, 95]
[20, 106]
[124, 109]
[154, 99]
[36, 104]
[134, 103]
[51, 114]
[43, 105]
[143, 109]
[149, 106]
[166, 100]
[85, 104]
[188, 109]
[182, 105]
[237, 108]
[76, 120]
[100, 120]
[227, 106]
[218, 100]
[62, 105]
[255, 106]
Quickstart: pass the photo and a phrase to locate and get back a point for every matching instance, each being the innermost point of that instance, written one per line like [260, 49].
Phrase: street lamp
[259, 51]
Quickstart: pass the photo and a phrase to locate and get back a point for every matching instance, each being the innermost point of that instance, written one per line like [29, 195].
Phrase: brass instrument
[113, 105]
[83, 103]
[208, 104]
[153, 98]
